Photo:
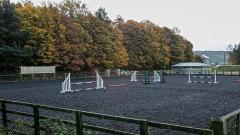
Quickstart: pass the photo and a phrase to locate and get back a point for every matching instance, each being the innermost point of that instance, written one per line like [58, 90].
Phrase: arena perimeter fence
[80, 126]
[228, 124]
[57, 76]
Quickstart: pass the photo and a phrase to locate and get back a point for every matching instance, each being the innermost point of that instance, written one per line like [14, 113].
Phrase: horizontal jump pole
[78, 90]
[204, 77]
[117, 85]
[84, 82]
[202, 82]
[236, 81]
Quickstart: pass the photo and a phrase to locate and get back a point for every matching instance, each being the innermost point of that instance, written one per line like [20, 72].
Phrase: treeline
[73, 38]
[234, 54]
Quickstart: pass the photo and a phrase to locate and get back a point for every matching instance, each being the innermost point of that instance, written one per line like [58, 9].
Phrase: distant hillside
[215, 57]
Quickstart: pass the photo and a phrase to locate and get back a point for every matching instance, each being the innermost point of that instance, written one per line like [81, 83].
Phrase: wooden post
[217, 127]
[148, 77]
[145, 77]
[144, 128]
[237, 125]
[36, 120]
[4, 116]
[79, 123]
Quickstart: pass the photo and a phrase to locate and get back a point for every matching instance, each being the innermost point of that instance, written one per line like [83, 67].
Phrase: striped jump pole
[189, 76]
[215, 77]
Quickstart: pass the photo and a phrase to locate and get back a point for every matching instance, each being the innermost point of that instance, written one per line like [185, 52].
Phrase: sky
[208, 24]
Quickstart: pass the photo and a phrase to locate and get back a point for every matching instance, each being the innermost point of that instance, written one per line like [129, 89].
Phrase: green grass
[1, 131]
[229, 68]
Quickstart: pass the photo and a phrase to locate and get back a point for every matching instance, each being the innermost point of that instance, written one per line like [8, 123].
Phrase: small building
[195, 67]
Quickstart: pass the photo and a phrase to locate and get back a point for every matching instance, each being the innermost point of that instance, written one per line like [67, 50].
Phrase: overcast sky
[208, 24]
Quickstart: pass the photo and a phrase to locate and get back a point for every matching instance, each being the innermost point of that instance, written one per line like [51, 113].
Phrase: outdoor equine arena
[175, 101]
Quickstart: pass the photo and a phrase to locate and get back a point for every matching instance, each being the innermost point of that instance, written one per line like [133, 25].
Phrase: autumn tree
[38, 23]
[73, 47]
[159, 51]
[121, 52]
[197, 58]
[137, 44]
[75, 39]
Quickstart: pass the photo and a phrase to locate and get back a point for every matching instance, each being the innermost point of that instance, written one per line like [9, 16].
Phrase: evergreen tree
[102, 15]
[12, 53]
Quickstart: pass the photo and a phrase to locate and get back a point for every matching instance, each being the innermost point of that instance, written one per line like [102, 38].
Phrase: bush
[57, 127]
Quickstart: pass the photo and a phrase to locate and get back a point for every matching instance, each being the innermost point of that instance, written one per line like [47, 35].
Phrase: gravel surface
[175, 101]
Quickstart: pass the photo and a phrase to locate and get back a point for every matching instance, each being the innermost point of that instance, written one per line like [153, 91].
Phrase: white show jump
[156, 77]
[134, 77]
[66, 85]
[214, 76]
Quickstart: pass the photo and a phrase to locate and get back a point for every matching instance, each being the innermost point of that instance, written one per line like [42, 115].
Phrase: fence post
[237, 124]
[20, 77]
[217, 127]
[36, 120]
[163, 76]
[145, 78]
[144, 128]
[79, 123]
[4, 116]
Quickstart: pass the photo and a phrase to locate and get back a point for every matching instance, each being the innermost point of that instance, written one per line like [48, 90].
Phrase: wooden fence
[143, 124]
[227, 125]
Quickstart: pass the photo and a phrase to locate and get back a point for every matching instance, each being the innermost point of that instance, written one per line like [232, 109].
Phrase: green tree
[12, 53]
[235, 54]
[10, 33]
[102, 15]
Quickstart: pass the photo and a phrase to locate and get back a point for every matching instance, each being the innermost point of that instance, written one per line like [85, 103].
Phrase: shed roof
[191, 64]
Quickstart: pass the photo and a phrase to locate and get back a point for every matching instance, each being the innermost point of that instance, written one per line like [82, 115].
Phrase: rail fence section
[228, 124]
[57, 76]
[79, 124]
